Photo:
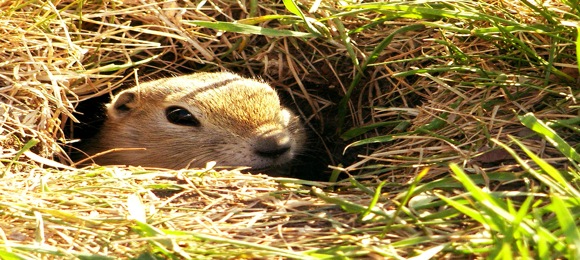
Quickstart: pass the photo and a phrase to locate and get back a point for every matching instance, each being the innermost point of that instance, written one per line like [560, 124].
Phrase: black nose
[273, 144]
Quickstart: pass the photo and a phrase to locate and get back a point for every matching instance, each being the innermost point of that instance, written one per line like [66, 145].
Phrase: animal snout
[273, 144]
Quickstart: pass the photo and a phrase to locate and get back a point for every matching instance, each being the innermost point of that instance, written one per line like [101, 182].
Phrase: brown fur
[239, 119]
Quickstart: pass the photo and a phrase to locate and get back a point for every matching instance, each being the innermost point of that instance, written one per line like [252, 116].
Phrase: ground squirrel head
[190, 120]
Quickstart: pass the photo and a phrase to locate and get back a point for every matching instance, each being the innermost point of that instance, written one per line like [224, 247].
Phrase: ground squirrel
[189, 120]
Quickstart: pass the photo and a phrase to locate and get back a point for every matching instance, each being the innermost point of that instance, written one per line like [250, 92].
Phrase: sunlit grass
[465, 114]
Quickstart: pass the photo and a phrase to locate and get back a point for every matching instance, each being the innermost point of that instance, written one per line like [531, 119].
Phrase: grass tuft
[450, 129]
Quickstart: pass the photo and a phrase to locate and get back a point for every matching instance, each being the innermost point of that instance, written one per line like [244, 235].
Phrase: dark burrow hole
[321, 150]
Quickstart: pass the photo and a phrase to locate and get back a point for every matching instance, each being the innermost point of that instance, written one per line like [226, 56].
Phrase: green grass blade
[116, 67]
[553, 185]
[7, 255]
[293, 8]
[542, 11]
[377, 139]
[347, 205]
[357, 131]
[490, 209]
[568, 224]
[374, 200]
[207, 237]
[562, 183]
[469, 211]
[250, 29]
[408, 195]
[530, 121]
[520, 216]
[343, 104]
[578, 48]
[264, 18]
[31, 143]
[158, 239]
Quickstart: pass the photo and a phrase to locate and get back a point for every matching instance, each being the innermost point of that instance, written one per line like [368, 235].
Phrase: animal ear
[122, 104]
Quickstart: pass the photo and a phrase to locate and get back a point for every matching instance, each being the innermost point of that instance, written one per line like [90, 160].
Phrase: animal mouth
[273, 153]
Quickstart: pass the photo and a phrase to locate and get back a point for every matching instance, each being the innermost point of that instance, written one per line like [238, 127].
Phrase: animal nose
[273, 144]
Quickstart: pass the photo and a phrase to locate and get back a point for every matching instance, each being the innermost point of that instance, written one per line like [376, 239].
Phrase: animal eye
[180, 116]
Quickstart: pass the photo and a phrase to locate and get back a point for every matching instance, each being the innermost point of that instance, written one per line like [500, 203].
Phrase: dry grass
[412, 89]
